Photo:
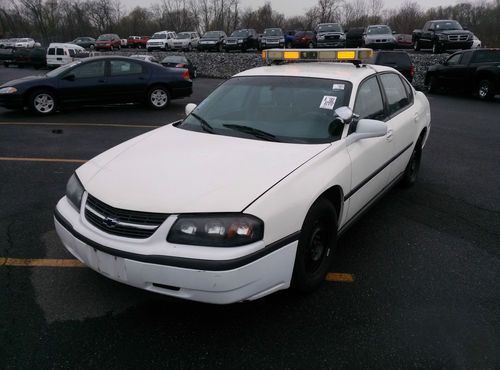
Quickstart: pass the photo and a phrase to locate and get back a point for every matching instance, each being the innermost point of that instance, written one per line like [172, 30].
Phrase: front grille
[120, 222]
[458, 37]
[332, 37]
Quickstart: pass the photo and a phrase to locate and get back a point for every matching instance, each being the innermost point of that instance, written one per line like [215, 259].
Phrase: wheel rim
[483, 90]
[44, 103]
[316, 249]
[159, 98]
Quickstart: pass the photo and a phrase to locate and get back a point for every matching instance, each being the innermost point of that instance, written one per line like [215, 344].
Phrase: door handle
[389, 135]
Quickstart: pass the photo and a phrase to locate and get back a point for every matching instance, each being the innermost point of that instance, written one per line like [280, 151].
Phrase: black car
[354, 37]
[242, 40]
[399, 60]
[35, 57]
[474, 71]
[102, 80]
[178, 61]
[212, 40]
[84, 42]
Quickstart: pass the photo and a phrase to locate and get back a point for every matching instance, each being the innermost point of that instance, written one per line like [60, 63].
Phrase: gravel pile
[225, 65]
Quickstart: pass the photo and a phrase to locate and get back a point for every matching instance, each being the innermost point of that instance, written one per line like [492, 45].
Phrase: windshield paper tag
[338, 86]
[328, 102]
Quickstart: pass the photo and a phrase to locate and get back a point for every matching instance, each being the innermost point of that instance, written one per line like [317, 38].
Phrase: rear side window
[59, 51]
[51, 51]
[486, 56]
[395, 92]
[409, 91]
[90, 70]
[123, 68]
[71, 52]
[369, 103]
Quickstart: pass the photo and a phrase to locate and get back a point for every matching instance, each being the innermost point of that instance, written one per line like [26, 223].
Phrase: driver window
[454, 59]
[369, 103]
[89, 70]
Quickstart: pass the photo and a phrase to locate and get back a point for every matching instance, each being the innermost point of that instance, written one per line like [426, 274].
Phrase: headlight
[240, 41]
[74, 191]
[321, 37]
[342, 37]
[216, 230]
[8, 90]
[443, 37]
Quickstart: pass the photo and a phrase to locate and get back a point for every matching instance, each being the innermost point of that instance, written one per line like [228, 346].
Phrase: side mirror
[70, 77]
[189, 108]
[344, 114]
[367, 128]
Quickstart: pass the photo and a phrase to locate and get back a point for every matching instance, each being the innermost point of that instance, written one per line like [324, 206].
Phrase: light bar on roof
[320, 55]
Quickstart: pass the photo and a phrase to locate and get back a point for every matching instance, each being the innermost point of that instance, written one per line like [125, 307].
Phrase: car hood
[171, 170]
[209, 39]
[330, 33]
[21, 81]
[388, 36]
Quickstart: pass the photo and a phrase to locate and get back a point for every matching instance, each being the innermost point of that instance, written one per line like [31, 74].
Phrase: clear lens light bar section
[318, 55]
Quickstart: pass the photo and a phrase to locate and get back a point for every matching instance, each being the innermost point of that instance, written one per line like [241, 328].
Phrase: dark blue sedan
[101, 80]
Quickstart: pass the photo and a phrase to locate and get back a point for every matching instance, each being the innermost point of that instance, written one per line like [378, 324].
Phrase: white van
[59, 54]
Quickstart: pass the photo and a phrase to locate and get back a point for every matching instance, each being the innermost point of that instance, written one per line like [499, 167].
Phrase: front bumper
[236, 46]
[11, 101]
[380, 45]
[248, 277]
[208, 46]
[455, 45]
[330, 43]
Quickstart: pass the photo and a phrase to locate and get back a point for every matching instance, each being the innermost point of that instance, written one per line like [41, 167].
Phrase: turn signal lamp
[356, 56]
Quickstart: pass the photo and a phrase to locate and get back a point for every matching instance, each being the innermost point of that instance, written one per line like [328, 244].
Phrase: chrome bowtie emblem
[110, 222]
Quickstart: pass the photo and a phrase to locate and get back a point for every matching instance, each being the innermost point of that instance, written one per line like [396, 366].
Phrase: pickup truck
[442, 35]
[476, 71]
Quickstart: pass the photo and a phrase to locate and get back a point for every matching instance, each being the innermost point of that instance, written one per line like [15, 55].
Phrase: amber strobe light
[332, 55]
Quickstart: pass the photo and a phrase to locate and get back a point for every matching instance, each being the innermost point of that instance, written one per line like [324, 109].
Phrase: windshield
[273, 32]
[159, 36]
[23, 40]
[448, 25]
[62, 69]
[105, 37]
[379, 30]
[212, 34]
[331, 27]
[287, 109]
[183, 35]
[240, 33]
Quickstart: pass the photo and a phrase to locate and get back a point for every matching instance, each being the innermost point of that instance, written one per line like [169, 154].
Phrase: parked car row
[25, 42]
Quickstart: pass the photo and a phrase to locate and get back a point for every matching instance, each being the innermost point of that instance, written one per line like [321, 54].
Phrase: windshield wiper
[204, 124]
[253, 131]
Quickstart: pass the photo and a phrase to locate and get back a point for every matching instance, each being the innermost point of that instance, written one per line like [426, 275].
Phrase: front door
[84, 83]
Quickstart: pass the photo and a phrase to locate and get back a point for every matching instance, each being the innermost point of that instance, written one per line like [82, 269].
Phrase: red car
[304, 39]
[108, 41]
[137, 41]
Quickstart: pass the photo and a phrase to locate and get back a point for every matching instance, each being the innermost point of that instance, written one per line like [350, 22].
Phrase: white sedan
[249, 193]
[25, 43]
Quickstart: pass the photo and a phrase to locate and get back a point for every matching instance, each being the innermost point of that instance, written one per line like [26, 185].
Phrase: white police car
[249, 193]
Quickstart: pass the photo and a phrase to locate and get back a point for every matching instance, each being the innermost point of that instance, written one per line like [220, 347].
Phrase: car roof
[329, 70]
[64, 45]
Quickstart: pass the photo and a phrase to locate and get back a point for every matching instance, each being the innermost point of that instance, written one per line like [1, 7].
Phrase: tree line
[62, 20]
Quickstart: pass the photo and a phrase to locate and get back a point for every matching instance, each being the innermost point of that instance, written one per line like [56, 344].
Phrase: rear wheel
[432, 85]
[42, 102]
[411, 172]
[436, 49]
[485, 90]
[158, 97]
[317, 242]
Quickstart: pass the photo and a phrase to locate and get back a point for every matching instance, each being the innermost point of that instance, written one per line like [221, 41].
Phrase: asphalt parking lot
[416, 285]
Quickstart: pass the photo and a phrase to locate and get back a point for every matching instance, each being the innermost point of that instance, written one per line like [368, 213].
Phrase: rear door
[370, 158]
[127, 81]
[401, 121]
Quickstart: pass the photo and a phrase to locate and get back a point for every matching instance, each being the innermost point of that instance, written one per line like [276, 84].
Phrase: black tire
[6, 65]
[289, 45]
[310, 45]
[485, 90]
[317, 243]
[411, 172]
[42, 102]
[436, 49]
[158, 97]
[416, 45]
[219, 48]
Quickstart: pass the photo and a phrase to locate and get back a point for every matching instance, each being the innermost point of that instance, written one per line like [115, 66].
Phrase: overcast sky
[296, 7]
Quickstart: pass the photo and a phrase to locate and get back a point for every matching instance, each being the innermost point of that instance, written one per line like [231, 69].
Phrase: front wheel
[317, 242]
[158, 98]
[416, 45]
[42, 102]
[436, 49]
[485, 90]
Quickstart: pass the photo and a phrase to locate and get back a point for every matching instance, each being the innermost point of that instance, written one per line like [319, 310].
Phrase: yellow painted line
[31, 159]
[30, 262]
[340, 277]
[76, 124]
